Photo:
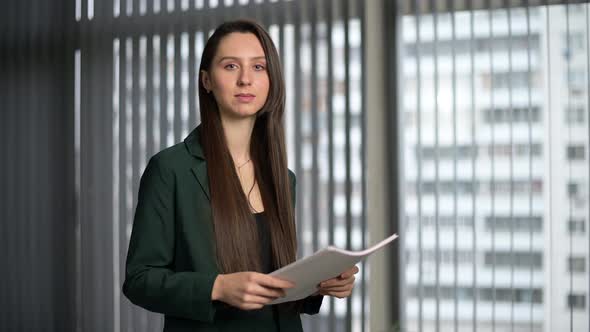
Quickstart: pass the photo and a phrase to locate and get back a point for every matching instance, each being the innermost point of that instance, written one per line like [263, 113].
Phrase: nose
[244, 78]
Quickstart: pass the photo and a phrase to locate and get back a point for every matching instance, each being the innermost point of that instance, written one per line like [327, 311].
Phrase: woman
[215, 212]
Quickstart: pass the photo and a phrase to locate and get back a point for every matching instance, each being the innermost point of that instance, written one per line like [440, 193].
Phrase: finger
[256, 299]
[338, 288]
[272, 282]
[256, 289]
[339, 295]
[330, 282]
[349, 273]
[337, 282]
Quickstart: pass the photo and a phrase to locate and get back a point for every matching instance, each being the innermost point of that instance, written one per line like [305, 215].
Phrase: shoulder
[181, 154]
[172, 156]
[171, 159]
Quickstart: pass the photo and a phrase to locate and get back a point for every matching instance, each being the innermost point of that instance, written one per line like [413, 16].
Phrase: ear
[206, 80]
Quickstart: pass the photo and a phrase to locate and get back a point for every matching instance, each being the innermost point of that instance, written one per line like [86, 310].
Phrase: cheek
[222, 83]
[265, 86]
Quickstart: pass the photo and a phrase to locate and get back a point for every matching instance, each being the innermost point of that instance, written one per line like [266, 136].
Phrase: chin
[246, 112]
[240, 111]
[242, 114]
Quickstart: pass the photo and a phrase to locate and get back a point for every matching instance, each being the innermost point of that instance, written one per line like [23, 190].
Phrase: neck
[237, 134]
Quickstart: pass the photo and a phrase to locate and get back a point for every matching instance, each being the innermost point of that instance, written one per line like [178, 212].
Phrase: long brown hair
[237, 245]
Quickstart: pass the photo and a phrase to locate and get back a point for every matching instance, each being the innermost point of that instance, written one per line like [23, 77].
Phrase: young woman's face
[238, 76]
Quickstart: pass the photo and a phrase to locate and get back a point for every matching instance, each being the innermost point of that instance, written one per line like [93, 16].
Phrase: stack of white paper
[325, 264]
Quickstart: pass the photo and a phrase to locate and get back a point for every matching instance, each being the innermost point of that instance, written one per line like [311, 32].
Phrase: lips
[245, 97]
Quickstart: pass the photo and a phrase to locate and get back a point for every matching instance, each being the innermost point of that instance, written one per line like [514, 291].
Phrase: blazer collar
[193, 144]
[199, 170]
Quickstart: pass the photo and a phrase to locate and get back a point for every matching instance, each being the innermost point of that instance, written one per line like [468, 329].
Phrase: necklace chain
[240, 176]
[242, 165]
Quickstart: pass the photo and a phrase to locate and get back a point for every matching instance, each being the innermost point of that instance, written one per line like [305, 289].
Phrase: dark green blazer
[171, 265]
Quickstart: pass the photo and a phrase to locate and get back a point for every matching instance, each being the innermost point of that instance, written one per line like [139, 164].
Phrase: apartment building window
[463, 152]
[519, 187]
[447, 256]
[576, 264]
[577, 41]
[577, 78]
[481, 45]
[515, 223]
[576, 301]
[515, 114]
[575, 114]
[575, 91]
[468, 187]
[447, 152]
[508, 259]
[518, 150]
[462, 187]
[442, 220]
[576, 152]
[515, 187]
[575, 190]
[511, 79]
[485, 294]
[576, 226]
[501, 294]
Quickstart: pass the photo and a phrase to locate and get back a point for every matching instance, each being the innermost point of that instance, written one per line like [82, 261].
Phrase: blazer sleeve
[311, 304]
[150, 281]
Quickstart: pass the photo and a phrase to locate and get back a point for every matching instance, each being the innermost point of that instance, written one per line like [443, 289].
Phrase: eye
[230, 66]
[259, 67]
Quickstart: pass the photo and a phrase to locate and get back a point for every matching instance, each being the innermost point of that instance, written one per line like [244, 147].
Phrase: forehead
[239, 45]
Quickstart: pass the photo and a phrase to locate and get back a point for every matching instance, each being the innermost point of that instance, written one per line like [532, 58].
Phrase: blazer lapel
[200, 169]
[200, 172]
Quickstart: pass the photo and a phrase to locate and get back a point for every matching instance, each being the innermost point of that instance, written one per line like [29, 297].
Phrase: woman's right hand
[248, 290]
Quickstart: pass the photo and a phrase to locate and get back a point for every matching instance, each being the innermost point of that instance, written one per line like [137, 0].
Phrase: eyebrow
[237, 58]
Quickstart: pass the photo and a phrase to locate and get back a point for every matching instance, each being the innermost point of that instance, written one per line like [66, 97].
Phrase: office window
[499, 77]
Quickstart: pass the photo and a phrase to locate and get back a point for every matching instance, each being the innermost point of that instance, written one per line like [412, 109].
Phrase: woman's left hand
[340, 286]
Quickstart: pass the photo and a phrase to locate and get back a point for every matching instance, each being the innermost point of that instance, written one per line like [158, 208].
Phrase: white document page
[325, 264]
